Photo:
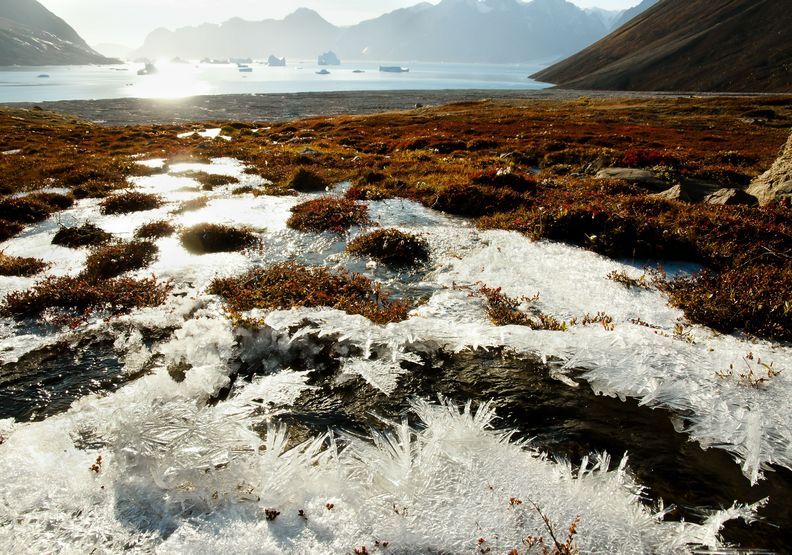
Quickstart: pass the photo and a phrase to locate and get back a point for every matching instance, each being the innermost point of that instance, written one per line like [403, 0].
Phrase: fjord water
[39, 84]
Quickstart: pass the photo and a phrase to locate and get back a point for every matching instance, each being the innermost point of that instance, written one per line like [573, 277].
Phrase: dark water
[47, 381]
[565, 422]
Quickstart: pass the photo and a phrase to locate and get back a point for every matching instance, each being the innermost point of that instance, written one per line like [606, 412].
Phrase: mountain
[451, 31]
[32, 35]
[632, 13]
[689, 45]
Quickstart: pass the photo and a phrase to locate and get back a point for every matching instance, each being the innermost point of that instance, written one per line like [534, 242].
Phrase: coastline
[272, 107]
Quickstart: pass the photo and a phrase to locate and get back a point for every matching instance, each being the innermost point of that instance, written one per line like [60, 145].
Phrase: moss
[306, 181]
[391, 246]
[112, 260]
[21, 267]
[79, 296]
[155, 230]
[86, 235]
[290, 285]
[328, 214]
[213, 238]
[131, 201]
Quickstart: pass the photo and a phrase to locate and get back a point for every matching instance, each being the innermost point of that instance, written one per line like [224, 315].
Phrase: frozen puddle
[183, 448]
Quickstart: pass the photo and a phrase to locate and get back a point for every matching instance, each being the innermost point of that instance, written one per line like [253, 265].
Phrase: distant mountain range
[486, 31]
[32, 35]
[689, 45]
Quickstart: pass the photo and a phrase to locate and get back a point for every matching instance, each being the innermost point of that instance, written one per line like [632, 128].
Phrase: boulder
[775, 185]
[642, 178]
[690, 190]
[730, 197]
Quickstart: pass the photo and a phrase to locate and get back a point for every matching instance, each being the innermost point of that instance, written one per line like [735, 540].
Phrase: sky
[127, 22]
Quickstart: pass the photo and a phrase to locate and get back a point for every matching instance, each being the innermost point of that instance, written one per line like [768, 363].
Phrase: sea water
[177, 80]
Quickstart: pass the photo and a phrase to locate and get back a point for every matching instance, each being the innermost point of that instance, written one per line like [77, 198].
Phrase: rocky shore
[281, 107]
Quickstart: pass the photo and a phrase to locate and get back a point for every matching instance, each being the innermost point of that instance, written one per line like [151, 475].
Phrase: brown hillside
[689, 45]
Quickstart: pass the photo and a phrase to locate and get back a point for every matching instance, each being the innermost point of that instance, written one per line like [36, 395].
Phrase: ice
[186, 466]
[206, 134]
[183, 478]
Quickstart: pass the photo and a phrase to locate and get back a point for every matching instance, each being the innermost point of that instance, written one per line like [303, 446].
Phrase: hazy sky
[129, 21]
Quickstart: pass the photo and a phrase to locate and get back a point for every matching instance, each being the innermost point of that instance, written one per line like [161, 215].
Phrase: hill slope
[32, 35]
[689, 45]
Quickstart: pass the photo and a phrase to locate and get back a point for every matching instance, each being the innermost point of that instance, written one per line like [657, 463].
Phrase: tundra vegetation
[524, 165]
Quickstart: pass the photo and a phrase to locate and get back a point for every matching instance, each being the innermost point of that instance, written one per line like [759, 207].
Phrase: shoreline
[273, 107]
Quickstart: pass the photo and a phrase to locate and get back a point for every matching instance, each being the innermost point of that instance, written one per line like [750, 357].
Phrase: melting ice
[174, 466]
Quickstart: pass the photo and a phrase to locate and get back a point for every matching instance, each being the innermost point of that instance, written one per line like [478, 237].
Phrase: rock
[690, 190]
[730, 197]
[642, 178]
[775, 185]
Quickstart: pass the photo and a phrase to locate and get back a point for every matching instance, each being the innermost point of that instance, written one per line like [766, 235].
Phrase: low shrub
[474, 200]
[306, 181]
[56, 201]
[213, 238]
[95, 189]
[391, 246]
[132, 201]
[24, 210]
[20, 267]
[192, 205]
[79, 296]
[646, 158]
[328, 214]
[86, 235]
[754, 299]
[507, 179]
[155, 230]
[288, 285]
[9, 229]
[112, 260]
[209, 181]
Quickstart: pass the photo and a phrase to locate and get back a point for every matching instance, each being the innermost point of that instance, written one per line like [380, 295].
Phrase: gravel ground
[280, 107]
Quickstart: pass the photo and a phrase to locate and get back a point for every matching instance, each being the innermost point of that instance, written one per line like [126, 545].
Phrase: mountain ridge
[487, 31]
[688, 45]
[32, 35]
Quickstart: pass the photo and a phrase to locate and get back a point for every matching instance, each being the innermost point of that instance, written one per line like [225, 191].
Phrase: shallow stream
[169, 430]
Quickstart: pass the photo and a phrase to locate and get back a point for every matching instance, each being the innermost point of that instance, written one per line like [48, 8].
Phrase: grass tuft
[213, 238]
[79, 296]
[155, 230]
[391, 246]
[112, 260]
[306, 181]
[132, 201]
[328, 214]
[20, 267]
[289, 285]
[86, 235]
